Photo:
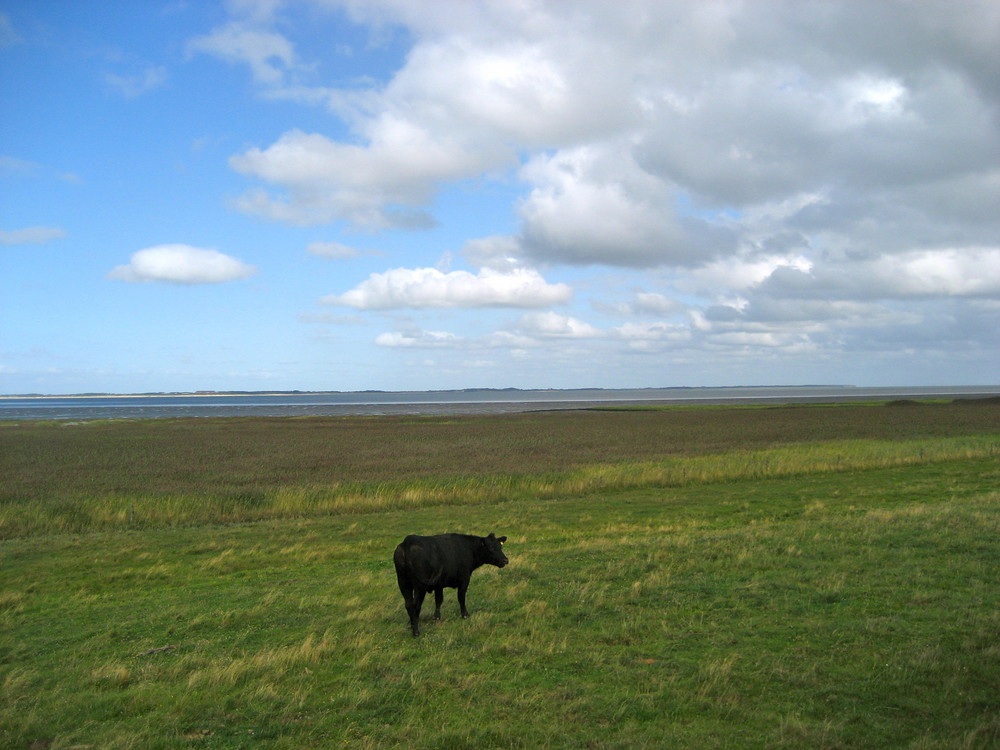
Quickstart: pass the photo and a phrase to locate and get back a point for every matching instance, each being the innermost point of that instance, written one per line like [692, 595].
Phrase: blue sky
[390, 194]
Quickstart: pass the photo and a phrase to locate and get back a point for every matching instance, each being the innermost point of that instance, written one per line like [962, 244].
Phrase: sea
[440, 403]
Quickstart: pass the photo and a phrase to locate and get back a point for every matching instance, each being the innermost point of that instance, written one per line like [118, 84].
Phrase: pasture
[808, 577]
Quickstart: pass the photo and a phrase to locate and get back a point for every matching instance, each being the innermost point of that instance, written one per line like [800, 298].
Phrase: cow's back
[433, 561]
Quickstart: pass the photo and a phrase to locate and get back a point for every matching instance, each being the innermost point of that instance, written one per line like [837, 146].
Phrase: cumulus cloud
[553, 325]
[593, 205]
[745, 272]
[527, 88]
[966, 272]
[417, 339]
[181, 264]
[382, 185]
[430, 287]
[31, 236]
[952, 272]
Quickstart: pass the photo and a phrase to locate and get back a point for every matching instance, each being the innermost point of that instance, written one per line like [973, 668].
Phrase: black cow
[433, 563]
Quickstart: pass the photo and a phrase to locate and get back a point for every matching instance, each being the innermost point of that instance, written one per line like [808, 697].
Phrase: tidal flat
[808, 576]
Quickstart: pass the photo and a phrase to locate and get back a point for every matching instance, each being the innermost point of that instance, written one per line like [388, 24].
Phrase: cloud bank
[727, 105]
[809, 178]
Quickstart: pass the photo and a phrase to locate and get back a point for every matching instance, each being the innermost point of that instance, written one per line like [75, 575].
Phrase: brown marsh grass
[145, 473]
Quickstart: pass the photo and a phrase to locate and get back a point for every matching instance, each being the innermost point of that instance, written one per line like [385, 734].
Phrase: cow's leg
[406, 589]
[438, 598]
[414, 610]
[463, 586]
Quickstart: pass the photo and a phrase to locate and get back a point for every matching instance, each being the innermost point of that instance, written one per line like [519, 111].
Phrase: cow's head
[494, 550]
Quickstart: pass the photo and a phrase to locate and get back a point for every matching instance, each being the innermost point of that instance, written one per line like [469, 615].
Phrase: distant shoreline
[216, 394]
[469, 401]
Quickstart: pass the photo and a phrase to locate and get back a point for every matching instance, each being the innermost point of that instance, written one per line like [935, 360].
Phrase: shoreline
[444, 391]
[889, 391]
[484, 402]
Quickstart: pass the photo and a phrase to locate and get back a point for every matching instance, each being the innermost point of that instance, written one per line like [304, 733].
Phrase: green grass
[740, 590]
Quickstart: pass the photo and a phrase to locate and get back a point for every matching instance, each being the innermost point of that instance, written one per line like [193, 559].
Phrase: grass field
[811, 577]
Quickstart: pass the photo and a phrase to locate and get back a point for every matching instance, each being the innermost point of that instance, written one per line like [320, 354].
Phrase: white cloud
[743, 273]
[430, 287]
[952, 272]
[525, 89]
[594, 205]
[757, 340]
[181, 264]
[553, 325]
[531, 331]
[416, 339]
[31, 236]
[382, 185]
[270, 55]
[967, 272]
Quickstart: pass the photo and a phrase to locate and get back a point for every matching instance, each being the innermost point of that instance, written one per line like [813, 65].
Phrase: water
[439, 402]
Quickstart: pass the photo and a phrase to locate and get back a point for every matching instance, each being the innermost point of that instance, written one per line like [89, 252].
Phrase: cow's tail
[399, 560]
[399, 556]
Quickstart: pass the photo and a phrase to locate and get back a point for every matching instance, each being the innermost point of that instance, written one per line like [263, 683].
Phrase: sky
[439, 194]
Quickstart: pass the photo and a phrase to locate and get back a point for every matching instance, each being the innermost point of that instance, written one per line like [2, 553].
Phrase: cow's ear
[502, 539]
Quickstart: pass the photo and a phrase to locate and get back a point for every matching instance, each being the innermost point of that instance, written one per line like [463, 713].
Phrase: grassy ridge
[828, 593]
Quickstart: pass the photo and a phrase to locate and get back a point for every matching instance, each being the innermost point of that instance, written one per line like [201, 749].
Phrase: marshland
[793, 576]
